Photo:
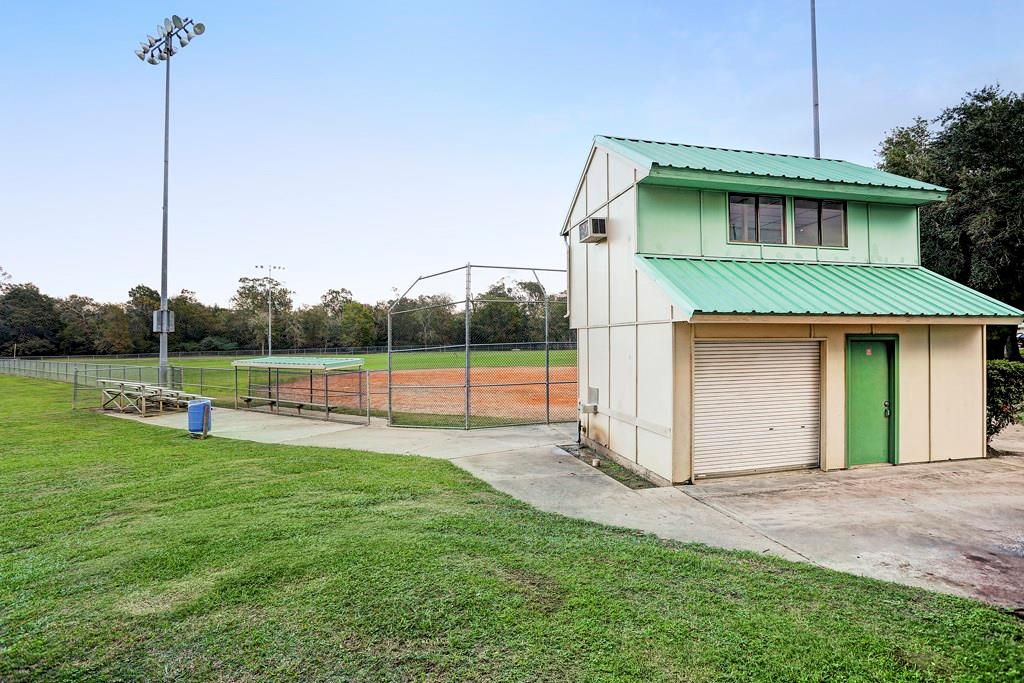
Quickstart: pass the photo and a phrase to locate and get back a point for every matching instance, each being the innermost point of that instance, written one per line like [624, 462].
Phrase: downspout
[568, 314]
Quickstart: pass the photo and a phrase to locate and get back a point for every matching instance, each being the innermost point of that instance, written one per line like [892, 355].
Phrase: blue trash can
[196, 410]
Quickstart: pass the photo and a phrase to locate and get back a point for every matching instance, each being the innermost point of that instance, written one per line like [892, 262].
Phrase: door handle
[885, 409]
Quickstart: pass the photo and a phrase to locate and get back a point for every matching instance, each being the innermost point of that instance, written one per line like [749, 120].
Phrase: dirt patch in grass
[542, 592]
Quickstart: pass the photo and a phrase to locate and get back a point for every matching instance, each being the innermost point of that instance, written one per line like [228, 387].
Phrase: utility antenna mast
[814, 82]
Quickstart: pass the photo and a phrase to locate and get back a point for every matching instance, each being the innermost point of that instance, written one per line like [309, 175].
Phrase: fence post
[235, 368]
[369, 398]
[74, 392]
[327, 395]
[547, 363]
[469, 296]
[390, 417]
[200, 382]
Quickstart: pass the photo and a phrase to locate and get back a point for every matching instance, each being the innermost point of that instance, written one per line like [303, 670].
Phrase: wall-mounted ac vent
[592, 230]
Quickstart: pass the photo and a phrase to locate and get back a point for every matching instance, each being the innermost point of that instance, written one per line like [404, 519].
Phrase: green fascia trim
[753, 287]
[894, 380]
[816, 189]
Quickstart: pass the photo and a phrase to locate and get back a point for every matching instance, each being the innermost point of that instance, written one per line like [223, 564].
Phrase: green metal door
[870, 408]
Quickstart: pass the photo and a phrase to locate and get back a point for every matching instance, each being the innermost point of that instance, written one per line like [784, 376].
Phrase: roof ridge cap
[723, 149]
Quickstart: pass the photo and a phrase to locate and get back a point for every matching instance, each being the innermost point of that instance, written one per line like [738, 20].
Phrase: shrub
[215, 343]
[1005, 394]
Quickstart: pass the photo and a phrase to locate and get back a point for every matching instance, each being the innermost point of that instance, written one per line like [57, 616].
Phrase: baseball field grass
[133, 553]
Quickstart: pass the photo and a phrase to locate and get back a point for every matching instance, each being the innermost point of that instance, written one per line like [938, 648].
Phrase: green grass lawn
[129, 552]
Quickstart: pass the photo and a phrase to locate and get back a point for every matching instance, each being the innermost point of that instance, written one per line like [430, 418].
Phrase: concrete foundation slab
[955, 526]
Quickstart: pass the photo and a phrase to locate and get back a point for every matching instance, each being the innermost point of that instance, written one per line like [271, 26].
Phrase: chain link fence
[350, 397]
[346, 395]
[240, 353]
[503, 354]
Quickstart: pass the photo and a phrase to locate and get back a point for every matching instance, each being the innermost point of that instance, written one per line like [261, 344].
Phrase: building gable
[606, 175]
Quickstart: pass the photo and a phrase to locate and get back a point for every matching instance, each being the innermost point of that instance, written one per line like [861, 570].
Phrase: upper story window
[757, 218]
[819, 222]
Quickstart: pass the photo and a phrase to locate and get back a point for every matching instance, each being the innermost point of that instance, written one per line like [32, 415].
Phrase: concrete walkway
[523, 462]
[955, 527]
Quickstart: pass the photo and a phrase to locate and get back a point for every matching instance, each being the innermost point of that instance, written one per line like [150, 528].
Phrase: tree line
[36, 324]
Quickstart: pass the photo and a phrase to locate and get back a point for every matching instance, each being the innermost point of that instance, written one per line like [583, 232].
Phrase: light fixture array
[155, 50]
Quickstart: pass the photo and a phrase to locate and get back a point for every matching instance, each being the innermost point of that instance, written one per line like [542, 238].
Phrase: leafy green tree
[79, 316]
[193, 321]
[357, 325]
[976, 149]
[215, 343]
[142, 301]
[499, 316]
[114, 330]
[29, 319]
[315, 325]
[425, 320]
[334, 300]
[250, 301]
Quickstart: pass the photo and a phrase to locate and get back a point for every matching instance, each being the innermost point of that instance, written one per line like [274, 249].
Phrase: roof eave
[852, 318]
[739, 182]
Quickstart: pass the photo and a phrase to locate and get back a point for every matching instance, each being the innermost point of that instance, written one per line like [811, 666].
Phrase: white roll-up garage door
[756, 406]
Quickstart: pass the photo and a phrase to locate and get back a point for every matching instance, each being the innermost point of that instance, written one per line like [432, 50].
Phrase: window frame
[757, 218]
[820, 203]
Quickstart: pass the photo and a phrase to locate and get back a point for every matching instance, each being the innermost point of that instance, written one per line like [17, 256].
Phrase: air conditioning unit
[592, 230]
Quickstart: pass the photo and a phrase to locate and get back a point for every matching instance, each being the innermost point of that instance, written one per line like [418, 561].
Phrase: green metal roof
[717, 160]
[300, 363]
[793, 288]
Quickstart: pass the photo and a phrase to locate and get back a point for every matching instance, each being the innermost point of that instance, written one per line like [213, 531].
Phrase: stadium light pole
[153, 51]
[270, 305]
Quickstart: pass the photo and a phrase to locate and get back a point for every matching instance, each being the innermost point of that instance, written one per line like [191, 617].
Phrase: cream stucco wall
[623, 323]
[957, 381]
[940, 386]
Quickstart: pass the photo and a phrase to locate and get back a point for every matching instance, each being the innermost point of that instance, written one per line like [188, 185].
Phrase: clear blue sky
[361, 144]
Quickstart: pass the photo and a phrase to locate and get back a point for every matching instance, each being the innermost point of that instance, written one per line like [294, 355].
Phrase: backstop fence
[500, 352]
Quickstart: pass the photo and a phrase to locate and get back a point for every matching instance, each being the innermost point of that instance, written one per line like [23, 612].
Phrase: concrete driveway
[956, 527]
